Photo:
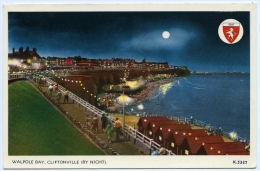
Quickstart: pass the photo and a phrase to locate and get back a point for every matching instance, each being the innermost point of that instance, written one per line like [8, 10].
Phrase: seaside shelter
[191, 145]
[144, 122]
[179, 136]
[160, 135]
[226, 148]
[166, 137]
[155, 127]
[212, 149]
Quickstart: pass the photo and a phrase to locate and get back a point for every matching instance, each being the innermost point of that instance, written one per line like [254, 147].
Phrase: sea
[219, 100]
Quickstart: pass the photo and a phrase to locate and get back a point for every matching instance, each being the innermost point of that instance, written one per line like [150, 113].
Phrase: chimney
[34, 50]
[21, 50]
[13, 50]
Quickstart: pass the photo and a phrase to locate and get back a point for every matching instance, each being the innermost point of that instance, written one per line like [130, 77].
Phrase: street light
[124, 99]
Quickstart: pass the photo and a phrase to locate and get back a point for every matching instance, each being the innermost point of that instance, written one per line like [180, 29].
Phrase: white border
[134, 162]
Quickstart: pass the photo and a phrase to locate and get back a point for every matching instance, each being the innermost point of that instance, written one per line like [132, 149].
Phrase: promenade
[122, 147]
[77, 110]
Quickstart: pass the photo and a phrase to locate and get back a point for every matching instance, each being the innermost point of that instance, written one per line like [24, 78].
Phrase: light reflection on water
[217, 99]
[165, 87]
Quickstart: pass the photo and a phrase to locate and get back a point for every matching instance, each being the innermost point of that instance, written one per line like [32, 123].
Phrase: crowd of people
[55, 89]
[106, 126]
[148, 91]
[109, 99]
[109, 128]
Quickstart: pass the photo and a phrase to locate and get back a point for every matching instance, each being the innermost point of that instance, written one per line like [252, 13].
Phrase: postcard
[130, 86]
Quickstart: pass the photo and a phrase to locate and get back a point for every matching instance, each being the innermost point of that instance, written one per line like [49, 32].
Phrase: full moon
[166, 34]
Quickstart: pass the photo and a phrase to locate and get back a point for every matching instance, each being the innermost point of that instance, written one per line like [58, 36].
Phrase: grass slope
[37, 128]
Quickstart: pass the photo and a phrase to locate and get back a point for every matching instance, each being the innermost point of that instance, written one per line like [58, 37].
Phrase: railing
[78, 100]
[16, 76]
[209, 128]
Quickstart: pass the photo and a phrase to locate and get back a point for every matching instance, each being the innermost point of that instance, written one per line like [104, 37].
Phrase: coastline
[109, 100]
[110, 104]
[143, 95]
[150, 90]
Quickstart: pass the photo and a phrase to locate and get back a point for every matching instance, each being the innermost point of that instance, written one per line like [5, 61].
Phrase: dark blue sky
[193, 41]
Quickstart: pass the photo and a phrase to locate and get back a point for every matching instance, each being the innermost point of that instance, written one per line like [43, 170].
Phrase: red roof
[162, 124]
[232, 147]
[144, 121]
[176, 127]
[213, 149]
[226, 148]
[182, 133]
[197, 141]
[166, 133]
[179, 136]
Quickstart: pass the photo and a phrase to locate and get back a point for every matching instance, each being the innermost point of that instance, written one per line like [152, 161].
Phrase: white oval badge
[230, 31]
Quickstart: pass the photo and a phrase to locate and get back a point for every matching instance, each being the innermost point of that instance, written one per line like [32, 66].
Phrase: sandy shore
[144, 94]
[149, 91]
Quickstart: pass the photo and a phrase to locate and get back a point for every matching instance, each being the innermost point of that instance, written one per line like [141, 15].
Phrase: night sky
[194, 41]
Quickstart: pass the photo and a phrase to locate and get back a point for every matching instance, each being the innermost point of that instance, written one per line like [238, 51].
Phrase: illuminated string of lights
[80, 83]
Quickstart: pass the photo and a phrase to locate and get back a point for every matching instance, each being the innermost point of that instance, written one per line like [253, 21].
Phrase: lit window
[172, 144]
[186, 152]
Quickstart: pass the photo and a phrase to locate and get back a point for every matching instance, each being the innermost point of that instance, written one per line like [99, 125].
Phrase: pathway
[123, 147]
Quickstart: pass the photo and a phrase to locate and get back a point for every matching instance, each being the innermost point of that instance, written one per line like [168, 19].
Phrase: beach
[147, 91]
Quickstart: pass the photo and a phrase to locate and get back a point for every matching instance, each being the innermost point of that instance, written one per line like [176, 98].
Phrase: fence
[16, 76]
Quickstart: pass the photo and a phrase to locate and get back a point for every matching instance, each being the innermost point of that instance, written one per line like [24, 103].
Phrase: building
[159, 135]
[68, 61]
[191, 145]
[177, 137]
[26, 59]
[144, 122]
[226, 148]
[154, 65]
[85, 63]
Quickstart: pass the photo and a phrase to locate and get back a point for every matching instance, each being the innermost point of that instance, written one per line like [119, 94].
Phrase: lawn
[35, 127]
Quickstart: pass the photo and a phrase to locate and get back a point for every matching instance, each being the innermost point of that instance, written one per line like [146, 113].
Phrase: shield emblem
[231, 31]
